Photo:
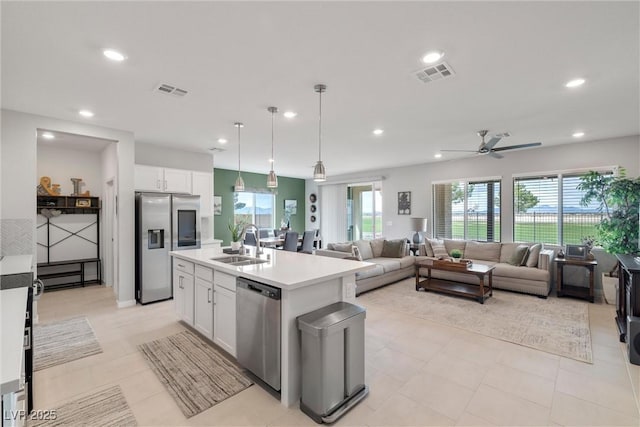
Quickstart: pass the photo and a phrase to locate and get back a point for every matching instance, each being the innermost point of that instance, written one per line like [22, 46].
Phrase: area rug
[556, 326]
[63, 341]
[106, 408]
[194, 373]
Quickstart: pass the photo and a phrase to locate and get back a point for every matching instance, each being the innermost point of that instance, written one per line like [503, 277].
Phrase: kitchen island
[307, 282]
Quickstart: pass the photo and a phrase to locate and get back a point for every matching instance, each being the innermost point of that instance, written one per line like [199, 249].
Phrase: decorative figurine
[45, 188]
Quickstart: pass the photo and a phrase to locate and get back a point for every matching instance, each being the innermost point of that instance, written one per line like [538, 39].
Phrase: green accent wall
[288, 189]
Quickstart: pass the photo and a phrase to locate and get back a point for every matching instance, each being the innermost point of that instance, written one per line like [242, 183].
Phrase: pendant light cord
[320, 127]
[239, 126]
[273, 159]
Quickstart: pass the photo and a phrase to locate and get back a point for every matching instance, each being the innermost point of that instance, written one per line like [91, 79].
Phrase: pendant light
[319, 173]
[239, 187]
[272, 179]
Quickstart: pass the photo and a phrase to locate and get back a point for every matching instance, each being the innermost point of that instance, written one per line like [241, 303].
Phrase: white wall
[154, 155]
[19, 178]
[61, 164]
[623, 151]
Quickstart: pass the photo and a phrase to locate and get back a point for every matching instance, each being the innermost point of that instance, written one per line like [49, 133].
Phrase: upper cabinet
[154, 178]
[202, 185]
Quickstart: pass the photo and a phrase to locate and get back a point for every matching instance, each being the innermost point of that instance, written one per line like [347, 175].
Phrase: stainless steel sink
[239, 260]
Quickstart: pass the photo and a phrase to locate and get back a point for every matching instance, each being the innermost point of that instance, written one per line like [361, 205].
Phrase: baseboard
[124, 304]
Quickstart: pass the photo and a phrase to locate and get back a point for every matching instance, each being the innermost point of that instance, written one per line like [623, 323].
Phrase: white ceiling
[72, 141]
[511, 61]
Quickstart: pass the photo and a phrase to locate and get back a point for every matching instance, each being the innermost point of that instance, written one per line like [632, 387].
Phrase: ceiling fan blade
[462, 151]
[495, 155]
[513, 147]
[492, 142]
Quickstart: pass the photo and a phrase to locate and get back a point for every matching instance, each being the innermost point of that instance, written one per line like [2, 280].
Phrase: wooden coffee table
[480, 292]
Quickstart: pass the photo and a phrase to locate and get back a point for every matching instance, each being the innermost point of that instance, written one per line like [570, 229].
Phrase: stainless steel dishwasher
[258, 322]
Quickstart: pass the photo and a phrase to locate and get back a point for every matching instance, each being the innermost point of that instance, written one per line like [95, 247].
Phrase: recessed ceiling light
[437, 156]
[48, 135]
[290, 114]
[575, 82]
[113, 55]
[578, 134]
[432, 57]
[85, 113]
[378, 131]
[222, 141]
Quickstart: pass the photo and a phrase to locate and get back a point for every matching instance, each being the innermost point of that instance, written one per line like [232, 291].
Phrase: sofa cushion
[393, 248]
[534, 253]
[450, 245]
[489, 251]
[407, 261]
[428, 251]
[376, 247]
[519, 256]
[507, 251]
[437, 246]
[342, 247]
[377, 270]
[519, 272]
[388, 264]
[365, 249]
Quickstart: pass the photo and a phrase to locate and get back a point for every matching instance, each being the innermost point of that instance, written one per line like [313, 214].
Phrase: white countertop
[13, 308]
[15, 264]
[285, 270]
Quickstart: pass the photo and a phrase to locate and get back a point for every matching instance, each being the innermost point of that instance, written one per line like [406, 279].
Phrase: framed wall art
[404, 203]
[217, 205]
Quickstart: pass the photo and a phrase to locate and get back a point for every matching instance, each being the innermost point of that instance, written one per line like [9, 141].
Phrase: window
[547, 209]
[254, 208]
[467, 210]
[364, 211]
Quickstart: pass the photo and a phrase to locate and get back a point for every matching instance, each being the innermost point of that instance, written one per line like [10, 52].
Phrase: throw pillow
[519, 257]
[376, 247]
[427, 248]
[534, 253]
[393, 248]
[356, 253]
[437, 246]
[343, 247]
[365, 249]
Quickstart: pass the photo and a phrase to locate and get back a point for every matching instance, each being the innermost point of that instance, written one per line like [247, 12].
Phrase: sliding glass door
[364, 211]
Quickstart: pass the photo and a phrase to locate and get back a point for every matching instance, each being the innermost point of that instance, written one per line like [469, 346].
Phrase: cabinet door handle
[209, 295]
[165, 184]
[180, 283]
[158, 184]
[180, 265]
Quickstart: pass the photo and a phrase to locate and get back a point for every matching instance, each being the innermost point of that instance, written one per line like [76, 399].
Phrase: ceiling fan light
[272, 180]
[239, 186]
[319, 174]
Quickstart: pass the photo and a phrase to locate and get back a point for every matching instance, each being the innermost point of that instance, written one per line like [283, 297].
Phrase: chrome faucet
[258, 247]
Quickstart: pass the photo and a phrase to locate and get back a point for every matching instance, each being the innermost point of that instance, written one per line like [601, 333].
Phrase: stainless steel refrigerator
[164, 222]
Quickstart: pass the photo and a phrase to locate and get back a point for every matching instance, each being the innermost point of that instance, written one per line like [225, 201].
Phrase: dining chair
[250, 239]
[264, 232]
[307, 242]
[291, 241]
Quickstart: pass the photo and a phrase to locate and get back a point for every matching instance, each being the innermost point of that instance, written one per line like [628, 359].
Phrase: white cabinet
[203, 307]
[202, 185]
[153, 178]
[183, 293]
[224, 322]
[177, 181]
[149, 178]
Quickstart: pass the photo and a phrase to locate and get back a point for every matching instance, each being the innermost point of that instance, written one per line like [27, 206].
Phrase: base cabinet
[183, 291]
[203, 307]
[224, 323]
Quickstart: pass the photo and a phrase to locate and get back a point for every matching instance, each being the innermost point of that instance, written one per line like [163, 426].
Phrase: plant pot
[235, 246]
[455, 259]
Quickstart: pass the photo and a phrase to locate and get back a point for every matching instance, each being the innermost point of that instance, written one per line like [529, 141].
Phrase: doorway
[364, 211]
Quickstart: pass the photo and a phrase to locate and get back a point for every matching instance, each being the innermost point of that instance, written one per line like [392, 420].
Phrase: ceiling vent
[435, 72]
[171, 90]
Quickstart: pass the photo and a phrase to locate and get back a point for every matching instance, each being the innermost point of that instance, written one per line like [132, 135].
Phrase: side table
[576, 291]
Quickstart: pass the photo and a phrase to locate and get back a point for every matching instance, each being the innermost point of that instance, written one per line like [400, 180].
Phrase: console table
[576, 291]
[628, 295]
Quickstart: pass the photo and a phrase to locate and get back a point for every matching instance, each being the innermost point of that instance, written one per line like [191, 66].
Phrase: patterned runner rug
[63, 341]
[194, 373]
[556, 326]
[106, 408]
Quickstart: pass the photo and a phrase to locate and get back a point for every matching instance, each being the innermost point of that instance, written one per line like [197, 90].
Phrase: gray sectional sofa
[534, 277]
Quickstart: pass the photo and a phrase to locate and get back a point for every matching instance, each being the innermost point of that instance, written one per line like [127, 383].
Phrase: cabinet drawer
[204, 273]
[182, 265]
[227, 281]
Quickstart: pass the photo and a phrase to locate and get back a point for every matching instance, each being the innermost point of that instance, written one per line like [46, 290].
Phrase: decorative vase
[235, 246]
[590, 256]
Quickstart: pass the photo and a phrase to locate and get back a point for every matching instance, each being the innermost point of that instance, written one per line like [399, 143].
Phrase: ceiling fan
[487, 147]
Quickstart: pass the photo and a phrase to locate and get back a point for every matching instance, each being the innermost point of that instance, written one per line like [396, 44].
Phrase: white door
[187, 302]
[148, 178]
[177, 181]
[110, 263]
[203, 305]
[224, 322]
[178, 295]
[203, 187]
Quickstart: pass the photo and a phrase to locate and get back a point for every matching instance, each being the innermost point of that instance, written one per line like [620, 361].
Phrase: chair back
[250, 239]
[276, 232]
[291, 241]
[264, 232]
[307, 241]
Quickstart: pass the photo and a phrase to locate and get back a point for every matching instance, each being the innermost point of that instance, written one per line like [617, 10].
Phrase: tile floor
[419, 373]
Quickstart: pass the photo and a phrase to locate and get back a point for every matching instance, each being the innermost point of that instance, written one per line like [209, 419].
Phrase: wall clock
[312, 198]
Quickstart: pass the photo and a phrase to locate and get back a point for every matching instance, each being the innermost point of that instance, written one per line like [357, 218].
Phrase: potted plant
[236, 235]
[456, 254]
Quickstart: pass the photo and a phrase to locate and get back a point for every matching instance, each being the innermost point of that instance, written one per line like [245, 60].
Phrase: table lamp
[418, 225]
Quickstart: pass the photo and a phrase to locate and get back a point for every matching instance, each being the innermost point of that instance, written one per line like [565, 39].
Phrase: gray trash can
[332, 340]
